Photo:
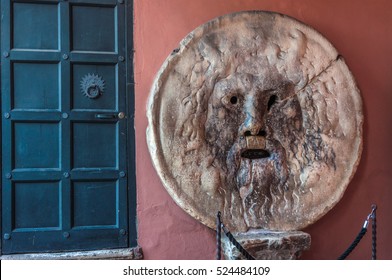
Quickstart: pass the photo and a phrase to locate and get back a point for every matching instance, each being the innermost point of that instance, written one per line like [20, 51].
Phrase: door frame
[131, 133]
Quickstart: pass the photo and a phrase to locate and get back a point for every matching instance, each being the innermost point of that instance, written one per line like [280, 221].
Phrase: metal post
[374, 232]
[218, 236]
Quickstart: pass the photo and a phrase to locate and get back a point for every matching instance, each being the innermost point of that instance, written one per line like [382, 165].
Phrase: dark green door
[64, 138]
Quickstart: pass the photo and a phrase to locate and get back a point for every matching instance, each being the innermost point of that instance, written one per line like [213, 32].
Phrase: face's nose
[254, 123]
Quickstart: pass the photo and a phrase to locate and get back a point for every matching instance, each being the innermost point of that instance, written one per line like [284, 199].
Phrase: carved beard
[260, 182]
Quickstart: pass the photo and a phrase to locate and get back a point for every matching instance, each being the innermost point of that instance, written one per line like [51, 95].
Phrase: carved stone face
[241, 111]
[245, 119]
[258, 117]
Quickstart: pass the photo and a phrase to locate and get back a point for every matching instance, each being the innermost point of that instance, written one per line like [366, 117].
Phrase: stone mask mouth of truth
[255, 115]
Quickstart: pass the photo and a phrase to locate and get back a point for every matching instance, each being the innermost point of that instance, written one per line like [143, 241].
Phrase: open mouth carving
[255, 154]
[255, 148]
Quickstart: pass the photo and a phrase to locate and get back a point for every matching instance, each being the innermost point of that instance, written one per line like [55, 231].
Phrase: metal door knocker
[92, 86]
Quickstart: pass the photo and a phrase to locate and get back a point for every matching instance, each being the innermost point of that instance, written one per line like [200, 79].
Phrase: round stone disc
[257, 116]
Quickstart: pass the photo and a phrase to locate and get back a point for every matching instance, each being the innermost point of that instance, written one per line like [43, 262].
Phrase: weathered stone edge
[135, 253]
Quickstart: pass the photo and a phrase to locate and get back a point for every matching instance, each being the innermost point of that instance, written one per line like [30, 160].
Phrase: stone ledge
[267, 245]
[135, 253]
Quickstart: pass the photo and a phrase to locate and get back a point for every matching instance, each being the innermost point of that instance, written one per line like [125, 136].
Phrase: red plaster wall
[362, 33]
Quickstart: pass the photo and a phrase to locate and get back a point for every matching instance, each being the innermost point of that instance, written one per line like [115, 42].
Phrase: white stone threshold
[109, 254]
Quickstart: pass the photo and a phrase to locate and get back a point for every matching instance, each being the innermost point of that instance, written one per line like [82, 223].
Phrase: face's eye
[231, 100]
[234, 100]
[272, 100]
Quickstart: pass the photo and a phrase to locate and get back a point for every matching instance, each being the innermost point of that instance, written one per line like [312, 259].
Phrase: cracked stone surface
[255, 115]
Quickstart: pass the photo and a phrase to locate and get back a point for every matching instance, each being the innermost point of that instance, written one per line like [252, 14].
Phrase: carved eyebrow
[278, 88]
[271, 90]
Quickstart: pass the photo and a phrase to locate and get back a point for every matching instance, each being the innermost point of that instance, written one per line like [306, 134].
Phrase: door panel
[86, 21]
[106, 75]
[35, 206]
[63, 82]
[30, 145]
[98, 139]
[88, 198]
[45, 26]
[35, 86]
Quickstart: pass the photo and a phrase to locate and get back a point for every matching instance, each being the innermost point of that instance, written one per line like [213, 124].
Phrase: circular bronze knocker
[92, 86]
